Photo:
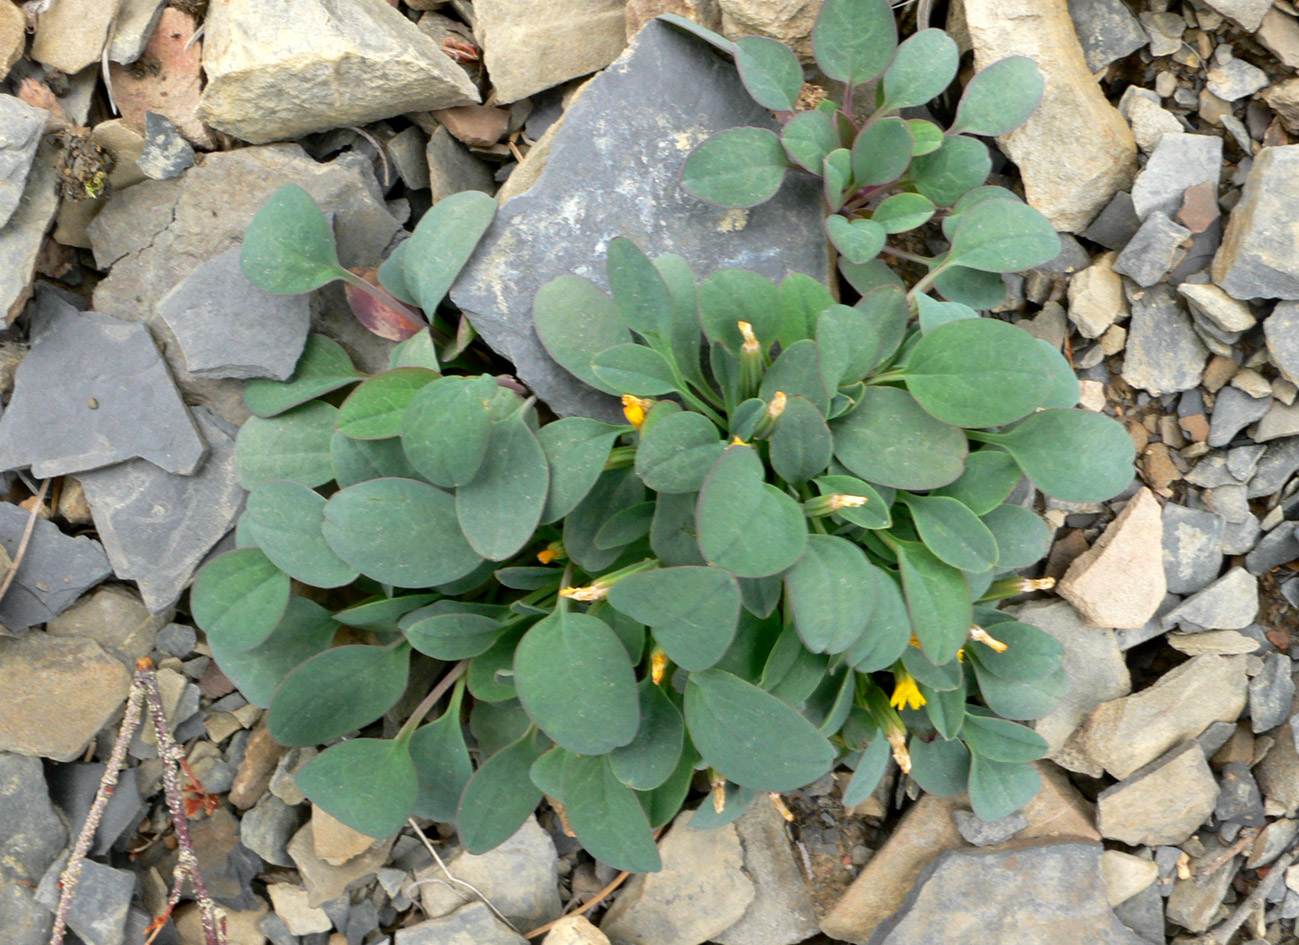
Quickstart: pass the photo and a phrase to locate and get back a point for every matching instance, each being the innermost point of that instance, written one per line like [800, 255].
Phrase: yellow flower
[905, 691]
[634, 409]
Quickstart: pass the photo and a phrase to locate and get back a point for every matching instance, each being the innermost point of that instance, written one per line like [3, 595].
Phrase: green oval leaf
[499, 510]
[800, 445]
[607, 817]
[997, 789]
[938, 600]
[1023, 539]
[692, 611]
[449, 630]
[634, 369]
[940, 767]
[952, 532]
[853, 40]
[676, 453]
[888, 634]
[359, 460]
[831, 591]
[751, 737]
[305, 630]
[323, 367]
[924, 65]
[442, 243]
[960, 164]
[289, 247]
[1003, 236]
[730, 296]
[446, 427]
[575, 321]
[870, 772]
[1000, 98]
[858, 240]
[1030, 653]
[367, 783]
[734, 497]
[336, 692]
[889, 439]
[990, 475]
[808, 137]
[374, 410]
[639, 289]
[441, 761]
[284, 520]
[382, 614]
[388, 529]
[577, 684]
[239, 598]
[392, 275]
[903, 212]
[769, 71]
[881, 153]
[874, 514]
[999, 740]
[1023, 699]
[739, 167]
[649, 759]
[576, 449]
[1047, 444]
[928, 137]
[499, 797]
[293, 445]
[972, 287]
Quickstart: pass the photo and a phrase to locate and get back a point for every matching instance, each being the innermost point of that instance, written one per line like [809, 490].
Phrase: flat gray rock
[985, 833]
[1022, 896]
[1163, 353]
[1229, 603]
[166, 153]
[54, 572]
[1257, 257]
[157, 527]
[1192, 548]
[117, 403]
[1179, 161]
[73, 788]
[613, 168]
[1235, 79]
[1278, 464]
[1107, 31]
[132, 29]
[267, 828]
[1271, 693]
[1116, 224]
[782, 909]
[470, 925]
[1144, 914]
[21, 237]
[452, 168]
[1232, 412]
[1282, 331]
[1163, 802]
[31, 833]
[1281, 420]
[1152, 250]
[228, 327]
[98, 911]
[1275, 548]
[25, 921]
[21, 128]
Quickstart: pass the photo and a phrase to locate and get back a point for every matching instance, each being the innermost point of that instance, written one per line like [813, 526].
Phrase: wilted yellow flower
[634, 409]
[987, 639]
[905, 691]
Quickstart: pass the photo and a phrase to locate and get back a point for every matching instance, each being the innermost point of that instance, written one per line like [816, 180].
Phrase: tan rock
[1279, 32]
[1119, 581]
[1283, 98]
[789, 21]
[73, 507]
[1278, 772]
[925, 831]
[1069, 185]
[71, 34]
[1125, 734]
[479, 126]
[1057, 810]
[1212, 641]
[324, 881]
[574, 930]
[533, 46]
[334, 841]
[704, 12]
[1096, 298]
[56, 694]
[1126, 875]
[13, 36]
[242, 928]
[173, 89]
[116, 619]
[253, 776]
[290, 904]
[1162, 804]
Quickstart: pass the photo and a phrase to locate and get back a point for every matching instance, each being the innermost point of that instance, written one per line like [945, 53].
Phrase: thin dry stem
[453, 880]
[27, 537]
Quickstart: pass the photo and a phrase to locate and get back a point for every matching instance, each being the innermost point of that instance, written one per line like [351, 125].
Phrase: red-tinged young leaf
[389, 319]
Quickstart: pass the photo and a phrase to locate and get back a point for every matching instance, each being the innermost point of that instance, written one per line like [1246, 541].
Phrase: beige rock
[363, 62]
[242, 928]
[290, 903]
[56, 694]
[1069, 185]
[73, 507]
[1279, 32]
[1150, 122]
[1278, 772]
[1125, 734]
[71, 34]
[1220, 308]
[782, 908]
[574, 930]
[925, 831]
[1119, 581]
[1096, 299]
[116, 619]
[529, 47]
[1256, 258]
[1057, 810]
[704, 12]
[1126, 875]
[325, 881]
[171, 89]
[789, 21]
[334, 841]
[1162, 804]
[13, 36]
[1283, 98]
[1114, 340]
[1212, 641]
[701, 890]
[261, 755]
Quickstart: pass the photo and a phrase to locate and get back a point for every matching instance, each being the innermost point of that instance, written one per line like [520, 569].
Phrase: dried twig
[1223, 933]
[27, 537]
[458, 882]
[144, 688]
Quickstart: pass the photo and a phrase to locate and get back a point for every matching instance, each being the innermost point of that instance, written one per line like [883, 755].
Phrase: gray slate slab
[1151, 251]
[1271, 693]
[31, 834]
[21, 237]
[1192, 548]
[1021, 896]
[166, 153]
[1257, 258]
[157, 527]
[21, 127]
[228, 327]
[98, 911]
[1277, 547]
[1179, 161]
[1278, 464]
[1232, 412]
[1107, 31]
[73, 787]
[94, 391]
[55, 571]
[1282, 331]
[614, 169]
[1163, 353]
[1116, 224]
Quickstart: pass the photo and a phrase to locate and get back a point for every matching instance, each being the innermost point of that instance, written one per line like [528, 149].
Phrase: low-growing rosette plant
[788, 557]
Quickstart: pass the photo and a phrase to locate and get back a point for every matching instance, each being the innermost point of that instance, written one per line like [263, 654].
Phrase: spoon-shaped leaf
[289, 247]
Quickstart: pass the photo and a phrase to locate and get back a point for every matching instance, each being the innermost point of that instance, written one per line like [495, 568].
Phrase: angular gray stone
[1144, 914]
[21, 128]
[21, 237]
[98, 910]
[1192, 548]
[1164, 802]
[177, 639]
[1179, 161]
[452, 168]
[1235, 79]
[25, 921]
[1248, 13]
[228, 327]
[1218, 307]
[56, 569]
[31, 833]
[1115, 224]
[781, 912]
[267, 828]
[1282, 331]
[157, 527]
[985, 833]
[652, 101]
[1243, 461]
[1238, 799]
[1277, 547]
[73, 788]
[1257, 257]
[1232, 412]
[472, 924]
[1194, 901]
[1278, 464]
[1229, 603]
[1163, 353]
[118, 404]
[364, 62]
[135, 22]
[1107, 31]
[166, 153]
[1153, 249]
[1281, 420]
[1271, 693]
[407, 151]
[1022, 896]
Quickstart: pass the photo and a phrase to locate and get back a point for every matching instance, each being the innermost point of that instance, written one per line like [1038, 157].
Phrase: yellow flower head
[634, 409]
[905, 690]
